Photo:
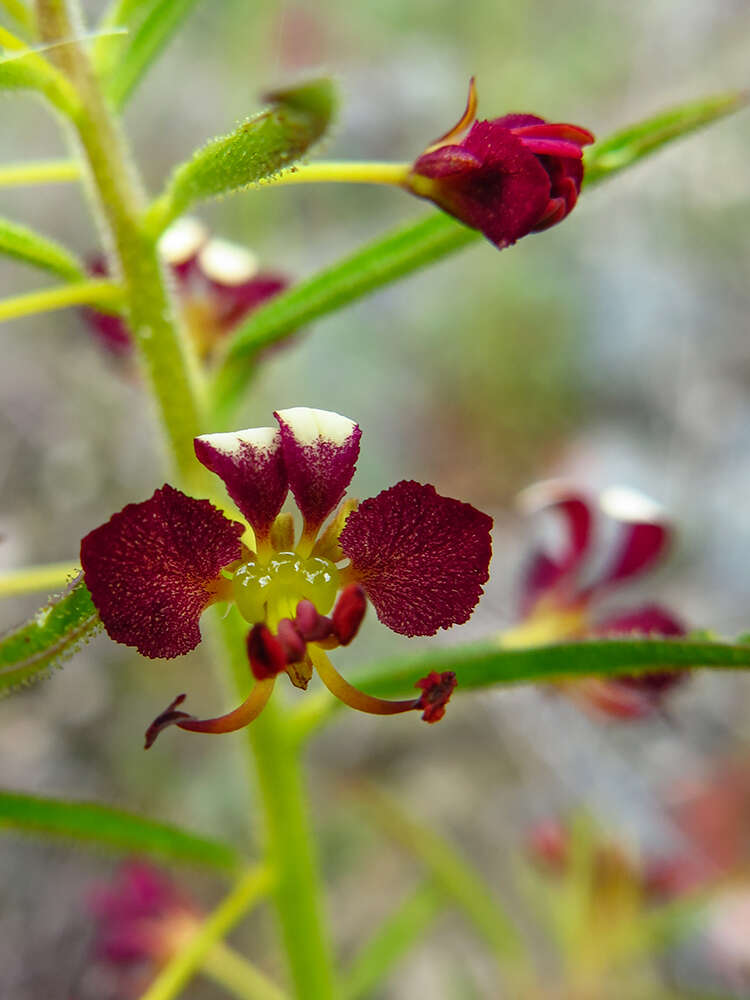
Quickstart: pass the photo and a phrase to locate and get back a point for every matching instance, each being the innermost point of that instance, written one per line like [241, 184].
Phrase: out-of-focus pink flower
[507, 177]
[562, 591]
[142, 920]
[218, 285]
[421, 559]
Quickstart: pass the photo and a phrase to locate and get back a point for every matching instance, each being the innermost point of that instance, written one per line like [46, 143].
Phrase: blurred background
[610, 350]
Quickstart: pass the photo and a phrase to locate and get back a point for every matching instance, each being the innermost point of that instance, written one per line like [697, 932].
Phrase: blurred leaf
[450, 871]
[54, 633]
[259, 148]
[125, 63]
[23, 69]
[20, 13]
[113, 828]
[393, 939]
[26, 245]
[400, 253]
[101, 294]
[631, 144]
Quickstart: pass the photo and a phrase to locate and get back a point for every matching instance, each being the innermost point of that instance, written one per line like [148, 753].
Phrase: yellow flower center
[269, 591]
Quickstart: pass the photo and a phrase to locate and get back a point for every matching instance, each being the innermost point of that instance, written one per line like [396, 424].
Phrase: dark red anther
[266, 654]
[310, 624]
[348, 613]
[436, 691]
[293, 643]
[168, 717]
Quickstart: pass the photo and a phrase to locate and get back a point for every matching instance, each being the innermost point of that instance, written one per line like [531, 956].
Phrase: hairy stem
[167, 357]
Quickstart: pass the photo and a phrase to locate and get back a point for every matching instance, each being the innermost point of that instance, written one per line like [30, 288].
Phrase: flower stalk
[342, 172]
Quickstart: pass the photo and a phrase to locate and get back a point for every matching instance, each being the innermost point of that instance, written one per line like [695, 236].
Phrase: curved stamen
[229, 723]
[352, 696]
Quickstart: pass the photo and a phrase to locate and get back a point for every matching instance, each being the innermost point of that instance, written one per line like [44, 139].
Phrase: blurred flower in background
[142, 919]
[570, 576]
[218, 283]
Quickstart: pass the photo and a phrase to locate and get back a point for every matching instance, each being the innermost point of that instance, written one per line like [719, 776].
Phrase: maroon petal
[544, 571]
[234, 302]
[320, 452]
[251, 463]
[421, 558]
[152, 569]
[644, 536]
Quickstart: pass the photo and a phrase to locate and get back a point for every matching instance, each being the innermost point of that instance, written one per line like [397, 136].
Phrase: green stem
[31, 579]
[238, 976]
[39, 172]
[104, 295]
[167, 356]
[334, 172]
[288, 835]
[179, 970]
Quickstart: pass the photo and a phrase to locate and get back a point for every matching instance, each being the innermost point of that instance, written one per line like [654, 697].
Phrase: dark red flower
[218, 284]
[507, 177]
[561, 599]
[420, 558]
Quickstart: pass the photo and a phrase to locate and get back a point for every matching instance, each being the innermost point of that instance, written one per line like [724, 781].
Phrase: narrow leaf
[129, 61]
[24, 244]
[393, 940]
[54, 633]
[486, 664]
[402, 252]
[24, 69]
[412, 247]
[259, 148]
[626, 147]
[116, 829]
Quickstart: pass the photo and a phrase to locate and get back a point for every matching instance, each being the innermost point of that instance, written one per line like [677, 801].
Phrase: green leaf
[112, 828]
[401, 253]
[487, 664]
[392, 940]
[26, 70]
[259, 148]
[26, 245]
[152, 24]
[54, 633]
[626, 147]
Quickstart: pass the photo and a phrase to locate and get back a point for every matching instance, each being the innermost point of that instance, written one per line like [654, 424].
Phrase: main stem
[168, 359]
[288, 836]
[172, 376]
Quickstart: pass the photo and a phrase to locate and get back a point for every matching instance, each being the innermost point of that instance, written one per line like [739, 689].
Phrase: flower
[142, 919]
[420, 559]
[507, 177]
[559, 602]
[218, 284]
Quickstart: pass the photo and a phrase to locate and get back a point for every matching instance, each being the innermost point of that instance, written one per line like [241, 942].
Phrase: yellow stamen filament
[250, 709]
[350, 695]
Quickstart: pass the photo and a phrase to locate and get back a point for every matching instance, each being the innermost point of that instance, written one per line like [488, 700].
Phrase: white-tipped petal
[626, 504]
[320, 451]
[182, 240]
[251, 463]
[227, 263]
